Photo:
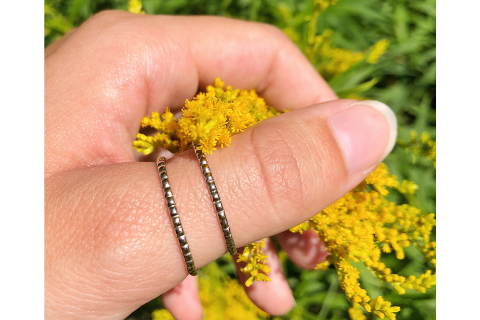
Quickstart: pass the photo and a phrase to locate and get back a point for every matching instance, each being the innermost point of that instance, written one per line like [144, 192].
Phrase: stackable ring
[216, 201]
[172, 208]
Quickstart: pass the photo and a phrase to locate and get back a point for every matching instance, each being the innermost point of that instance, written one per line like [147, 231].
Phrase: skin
[109, 244]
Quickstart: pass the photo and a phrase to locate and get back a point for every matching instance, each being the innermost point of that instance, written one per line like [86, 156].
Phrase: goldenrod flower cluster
[331, 60]
[328, 59]
[256, 268]
[55, 21]
[135, 6]
[424, 147]
[162, 314]
[166, 127]
[208, 120]
[377, 50]
[379, 307]
[322, 5]
[407, 187]
[362, 224]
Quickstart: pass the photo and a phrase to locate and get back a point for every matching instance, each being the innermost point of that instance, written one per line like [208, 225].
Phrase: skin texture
[109, 243]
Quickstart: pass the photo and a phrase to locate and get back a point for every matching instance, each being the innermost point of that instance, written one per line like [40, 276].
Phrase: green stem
[328, 299]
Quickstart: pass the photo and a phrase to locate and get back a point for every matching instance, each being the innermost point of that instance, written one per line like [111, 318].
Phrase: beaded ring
[172, 208]
[207, 173]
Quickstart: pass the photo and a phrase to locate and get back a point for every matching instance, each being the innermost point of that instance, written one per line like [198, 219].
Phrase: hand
[109, 244]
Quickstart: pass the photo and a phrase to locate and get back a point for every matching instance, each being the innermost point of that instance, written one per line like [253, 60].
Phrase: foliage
[375, 49]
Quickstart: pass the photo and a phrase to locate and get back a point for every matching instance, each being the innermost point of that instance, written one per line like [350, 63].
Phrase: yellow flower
[331, 60]
[222, 298]
[162, 314]
[381, 308]
[407, 187]
[322, 5]
[377, 50]
[209, 120]
[380, 179]
[55, 22]
[356, 314]
[256, 268]
[301, 227]
[135, 6]
[424, 147]
[356, 226]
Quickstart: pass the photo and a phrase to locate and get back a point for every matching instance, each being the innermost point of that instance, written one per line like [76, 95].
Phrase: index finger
[117, 67]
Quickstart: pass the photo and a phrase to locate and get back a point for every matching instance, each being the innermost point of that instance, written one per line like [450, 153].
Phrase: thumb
[109, 240]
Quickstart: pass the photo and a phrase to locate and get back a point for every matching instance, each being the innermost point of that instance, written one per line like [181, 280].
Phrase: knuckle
[274, 32]
[280, 39]
[116, 25]
[278, 168]
[115, 38]
[106, 18]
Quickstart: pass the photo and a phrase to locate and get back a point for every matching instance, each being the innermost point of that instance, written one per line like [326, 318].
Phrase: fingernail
[366, 132]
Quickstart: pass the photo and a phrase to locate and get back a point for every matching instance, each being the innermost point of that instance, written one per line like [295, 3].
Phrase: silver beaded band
[172, 208]
[207, 173]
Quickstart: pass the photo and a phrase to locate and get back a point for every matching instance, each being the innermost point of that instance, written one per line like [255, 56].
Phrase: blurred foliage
[404, 78]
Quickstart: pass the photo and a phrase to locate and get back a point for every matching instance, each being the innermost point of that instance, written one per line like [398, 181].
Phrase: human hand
[109, 245]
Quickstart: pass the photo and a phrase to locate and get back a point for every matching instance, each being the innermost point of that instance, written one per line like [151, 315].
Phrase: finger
[183, 301]
[274, 297]
[306, 250]
[109, 242]
[57, 43]
[105, 77]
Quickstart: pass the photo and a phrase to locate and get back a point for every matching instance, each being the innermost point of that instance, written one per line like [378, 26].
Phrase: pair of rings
[172, 208]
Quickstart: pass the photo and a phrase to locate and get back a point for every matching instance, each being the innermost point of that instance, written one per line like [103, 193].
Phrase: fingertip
[365, 132]
[183, 301]
[305, 249]
[391, 120]
[275, 297]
